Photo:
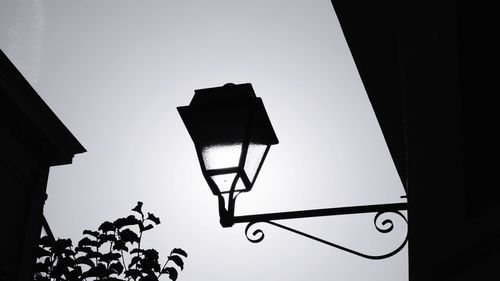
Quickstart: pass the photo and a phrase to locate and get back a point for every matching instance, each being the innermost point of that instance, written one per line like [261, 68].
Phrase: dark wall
[23, 177]
[430, 69]
[32, 139]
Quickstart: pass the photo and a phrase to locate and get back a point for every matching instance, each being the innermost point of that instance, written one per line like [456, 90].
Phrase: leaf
[157, 267]
[149, 277]
[91, 233]
[128, 235]
[103, 238]
[107, 237]
[120, 246]
[148, 265]
[64, 243]
[106, 226]
[172, 273]
[66, 262]
[134, 273]
[98, 271]
[45, 241]
[179, 251]
[134, 260]
[41, 278]
[178, 261]
[138, 208]
[57, 271]
[150, 261]
[137, 250]
[75, 274]
[145, 228]
[153, 218]
[69, 252]
[41, 267]
[87, 242]
[60, 245]
[121, 222]
[109, 257]
[117, 267]
[151, 254]
[93, 255]
[112, 279]
[84, 260]
[84, 249]
[41, 252]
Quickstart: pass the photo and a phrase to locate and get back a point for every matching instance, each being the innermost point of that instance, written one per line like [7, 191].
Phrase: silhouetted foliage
[112, 253]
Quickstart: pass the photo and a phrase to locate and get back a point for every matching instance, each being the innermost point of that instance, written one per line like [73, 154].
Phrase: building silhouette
[430, 69]
[32, 139]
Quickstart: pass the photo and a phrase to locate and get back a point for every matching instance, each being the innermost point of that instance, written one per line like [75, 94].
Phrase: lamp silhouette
[232, 135]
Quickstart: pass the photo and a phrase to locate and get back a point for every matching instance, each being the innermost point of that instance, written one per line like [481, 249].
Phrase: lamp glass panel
[254, 157]
[240, 186]
[224, 181]
[221, 156]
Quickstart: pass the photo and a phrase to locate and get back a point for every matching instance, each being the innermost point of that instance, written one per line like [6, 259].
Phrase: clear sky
[115, 71]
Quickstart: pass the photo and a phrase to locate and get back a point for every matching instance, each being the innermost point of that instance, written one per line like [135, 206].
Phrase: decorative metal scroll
[385, 226]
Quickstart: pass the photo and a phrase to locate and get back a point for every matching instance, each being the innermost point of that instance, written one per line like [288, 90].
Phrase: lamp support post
[227, 219]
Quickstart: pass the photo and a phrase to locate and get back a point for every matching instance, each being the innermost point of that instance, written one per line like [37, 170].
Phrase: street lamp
[232, 135]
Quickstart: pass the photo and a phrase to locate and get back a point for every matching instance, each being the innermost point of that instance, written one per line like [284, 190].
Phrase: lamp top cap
[228, 94]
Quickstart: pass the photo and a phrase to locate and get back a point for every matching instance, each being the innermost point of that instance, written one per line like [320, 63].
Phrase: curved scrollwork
[384, 226]
[387, 225]
[256, 236]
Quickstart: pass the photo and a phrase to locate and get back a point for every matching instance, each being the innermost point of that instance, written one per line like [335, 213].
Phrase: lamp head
[232, 135]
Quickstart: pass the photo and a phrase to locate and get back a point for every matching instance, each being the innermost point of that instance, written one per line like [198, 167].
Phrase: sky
[114, 73]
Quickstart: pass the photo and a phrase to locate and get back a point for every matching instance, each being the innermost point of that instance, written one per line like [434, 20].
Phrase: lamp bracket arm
[379, 208]
[383, 226]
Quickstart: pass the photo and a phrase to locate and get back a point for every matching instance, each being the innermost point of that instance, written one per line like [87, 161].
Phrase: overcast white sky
[115, 71]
